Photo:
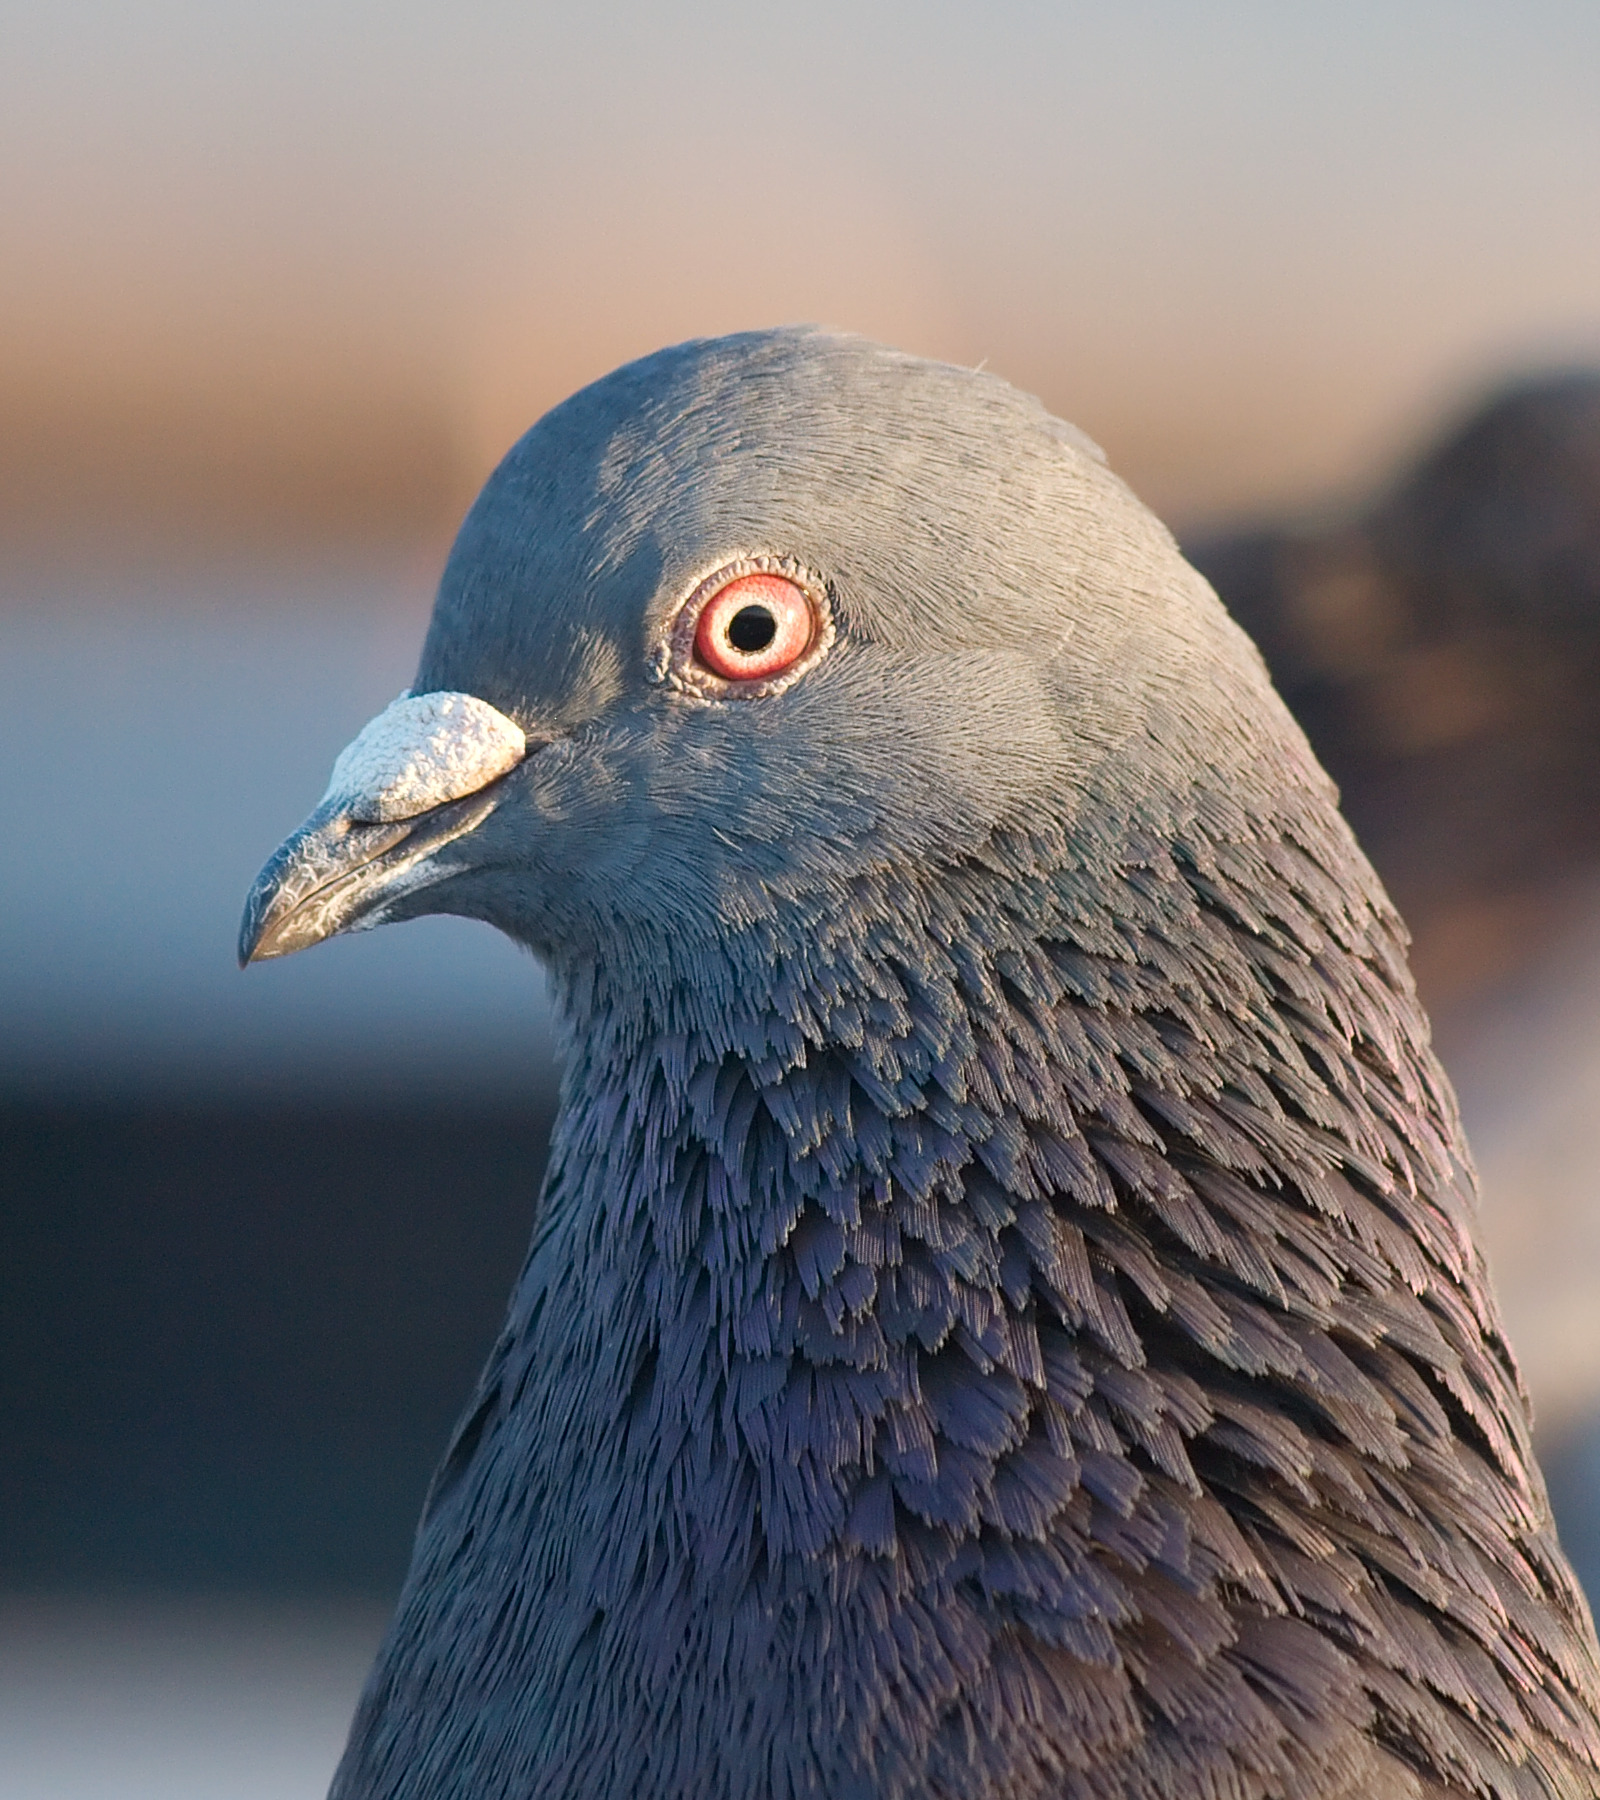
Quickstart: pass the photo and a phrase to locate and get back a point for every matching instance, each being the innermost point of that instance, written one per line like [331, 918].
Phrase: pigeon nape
[1003, 1319]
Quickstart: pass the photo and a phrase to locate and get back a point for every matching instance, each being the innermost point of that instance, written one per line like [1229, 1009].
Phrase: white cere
[421, 751]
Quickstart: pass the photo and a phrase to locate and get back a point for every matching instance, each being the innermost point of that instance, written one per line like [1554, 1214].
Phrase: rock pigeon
[1003, 1318]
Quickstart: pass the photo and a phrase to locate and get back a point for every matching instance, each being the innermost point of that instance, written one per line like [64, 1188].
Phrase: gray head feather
[1004, 1318]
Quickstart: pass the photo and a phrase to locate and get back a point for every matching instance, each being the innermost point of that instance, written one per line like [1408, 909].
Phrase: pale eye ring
[749, 629]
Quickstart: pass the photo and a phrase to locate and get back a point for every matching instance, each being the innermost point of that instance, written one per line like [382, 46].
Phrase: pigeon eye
[746, 631]
[754, 627]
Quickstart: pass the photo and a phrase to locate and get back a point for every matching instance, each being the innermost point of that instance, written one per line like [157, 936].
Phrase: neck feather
[1000, 1255]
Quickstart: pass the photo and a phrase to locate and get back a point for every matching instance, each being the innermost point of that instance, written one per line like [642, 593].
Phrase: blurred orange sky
[299, 272]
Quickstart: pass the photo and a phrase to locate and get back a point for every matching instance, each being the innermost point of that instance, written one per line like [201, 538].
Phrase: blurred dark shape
[1442, 651]
[233, 1338]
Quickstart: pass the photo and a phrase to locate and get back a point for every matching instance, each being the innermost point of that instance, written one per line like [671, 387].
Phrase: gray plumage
[1003, 1318]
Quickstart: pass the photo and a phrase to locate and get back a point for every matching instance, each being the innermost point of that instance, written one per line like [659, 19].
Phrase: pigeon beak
[338, 874]
[426, 771]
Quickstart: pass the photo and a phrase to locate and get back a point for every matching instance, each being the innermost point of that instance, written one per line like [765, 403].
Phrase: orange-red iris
[754, 628]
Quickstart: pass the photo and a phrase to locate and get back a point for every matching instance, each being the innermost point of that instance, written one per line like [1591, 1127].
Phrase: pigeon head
[956, 621]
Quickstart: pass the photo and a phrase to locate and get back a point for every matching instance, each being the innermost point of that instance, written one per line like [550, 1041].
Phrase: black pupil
[751, 629]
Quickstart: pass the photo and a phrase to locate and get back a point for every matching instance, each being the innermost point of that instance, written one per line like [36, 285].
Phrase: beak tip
[253, 926]
[258, 950]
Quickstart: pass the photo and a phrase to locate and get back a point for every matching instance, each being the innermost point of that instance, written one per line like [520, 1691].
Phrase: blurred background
[283, 281]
